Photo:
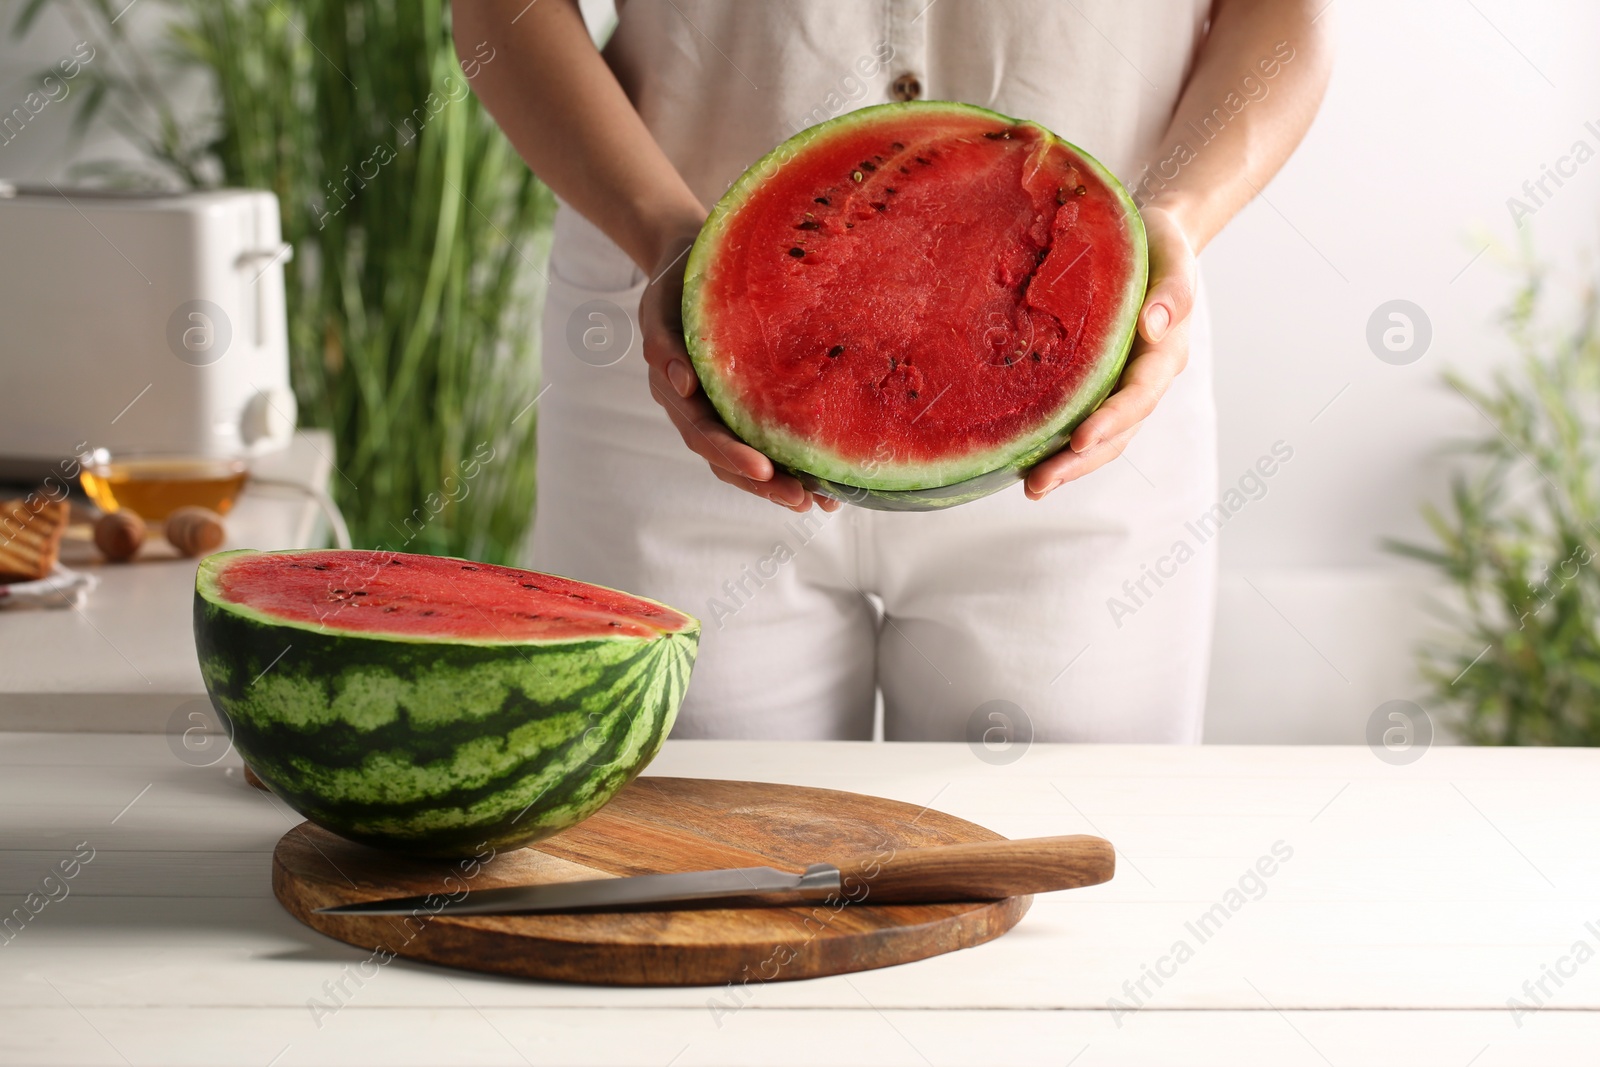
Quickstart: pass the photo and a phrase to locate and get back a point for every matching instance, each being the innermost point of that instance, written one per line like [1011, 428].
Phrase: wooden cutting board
[656, 825]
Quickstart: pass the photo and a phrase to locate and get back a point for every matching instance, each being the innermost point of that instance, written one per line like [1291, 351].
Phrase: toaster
[150, 323]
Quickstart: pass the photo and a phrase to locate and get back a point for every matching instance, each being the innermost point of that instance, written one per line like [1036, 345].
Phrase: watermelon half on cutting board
[435, 705]
[910, 305]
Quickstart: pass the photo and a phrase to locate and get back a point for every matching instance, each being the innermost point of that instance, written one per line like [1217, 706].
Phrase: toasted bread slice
[30, 537]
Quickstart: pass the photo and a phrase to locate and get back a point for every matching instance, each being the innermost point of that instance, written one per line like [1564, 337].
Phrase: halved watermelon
[436, 705]
[909, 305]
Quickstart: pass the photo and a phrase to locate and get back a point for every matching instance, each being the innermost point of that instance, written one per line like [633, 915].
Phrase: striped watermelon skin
[438, 748]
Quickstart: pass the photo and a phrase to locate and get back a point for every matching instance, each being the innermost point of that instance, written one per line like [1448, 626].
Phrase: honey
[154, 487]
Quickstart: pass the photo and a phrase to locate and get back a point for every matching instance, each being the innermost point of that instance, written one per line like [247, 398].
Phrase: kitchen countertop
[1438, 888]
[125, 660]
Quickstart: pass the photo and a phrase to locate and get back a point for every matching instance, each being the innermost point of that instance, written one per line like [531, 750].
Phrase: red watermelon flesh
[914, 295]
[401, 595]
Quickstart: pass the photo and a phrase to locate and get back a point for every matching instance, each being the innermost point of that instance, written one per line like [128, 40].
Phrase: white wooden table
[125, 660]
[1437, 888]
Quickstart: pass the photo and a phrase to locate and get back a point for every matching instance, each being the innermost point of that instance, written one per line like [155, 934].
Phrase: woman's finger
[1145, 380]
[704, 433]
[730, 458]
[1170, 297]
[783, 490]
[1067, 465]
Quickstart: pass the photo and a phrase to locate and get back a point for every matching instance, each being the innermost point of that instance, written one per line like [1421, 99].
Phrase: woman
[1062, 600]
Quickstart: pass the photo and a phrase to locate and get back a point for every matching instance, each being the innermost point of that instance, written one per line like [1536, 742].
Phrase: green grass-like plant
[1519, 542]
[416, 230]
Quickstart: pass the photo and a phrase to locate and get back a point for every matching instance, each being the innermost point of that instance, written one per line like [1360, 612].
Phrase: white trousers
[1077, 610]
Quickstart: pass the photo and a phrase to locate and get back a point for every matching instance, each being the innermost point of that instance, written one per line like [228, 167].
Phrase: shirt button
[906, 87]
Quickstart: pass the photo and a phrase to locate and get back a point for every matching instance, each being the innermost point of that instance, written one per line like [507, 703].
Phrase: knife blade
[817, 882]
[984, 870]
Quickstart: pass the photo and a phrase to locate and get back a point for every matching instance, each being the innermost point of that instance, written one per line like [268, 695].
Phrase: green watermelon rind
[933, 498]
[437, 747]
[904, 486]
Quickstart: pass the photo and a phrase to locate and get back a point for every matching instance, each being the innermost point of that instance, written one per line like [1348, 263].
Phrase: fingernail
[1090, 446]
[681, 377]
[1157, 321]
[1047, 490]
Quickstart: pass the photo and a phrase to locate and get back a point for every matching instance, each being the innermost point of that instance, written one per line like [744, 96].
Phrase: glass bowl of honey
[154, 485]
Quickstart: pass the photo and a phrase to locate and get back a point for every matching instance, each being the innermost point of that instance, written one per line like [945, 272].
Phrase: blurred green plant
[1520, 541]
[411, 310]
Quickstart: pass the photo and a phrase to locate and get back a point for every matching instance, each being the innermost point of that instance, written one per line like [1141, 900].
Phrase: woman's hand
[674, 385]
[1160, 351]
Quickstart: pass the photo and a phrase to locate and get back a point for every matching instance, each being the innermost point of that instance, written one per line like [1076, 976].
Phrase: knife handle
[983, 870]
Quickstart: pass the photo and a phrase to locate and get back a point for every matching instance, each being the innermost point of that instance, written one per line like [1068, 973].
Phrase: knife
[940, 874]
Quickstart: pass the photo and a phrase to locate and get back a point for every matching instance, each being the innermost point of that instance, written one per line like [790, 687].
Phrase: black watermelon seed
[430, 611]
[924, 162]
[809, 224]
[318, 567]
[868, 165]
[797, 252]
[820, 200]
[395, 563]
[897, 146]
[1010, 360]
[849, 225]
[1035, 357]
[1061, 196]
[1079, 191]
[529, 585]
[999, 135]
[911, 393]
[905, 170]
[836, 351]
[891, 192]
[360, 592]
[880, 207]
[613, 623]
[467, 567]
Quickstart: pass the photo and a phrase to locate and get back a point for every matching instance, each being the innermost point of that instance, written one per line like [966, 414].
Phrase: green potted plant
[1519, 541]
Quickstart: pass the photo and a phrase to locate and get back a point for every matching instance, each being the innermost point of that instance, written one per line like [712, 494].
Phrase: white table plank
[863, 1037]
[1439, 888]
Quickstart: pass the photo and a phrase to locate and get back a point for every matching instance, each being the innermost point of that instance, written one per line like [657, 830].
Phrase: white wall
[1439, 111]
[46, 146]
